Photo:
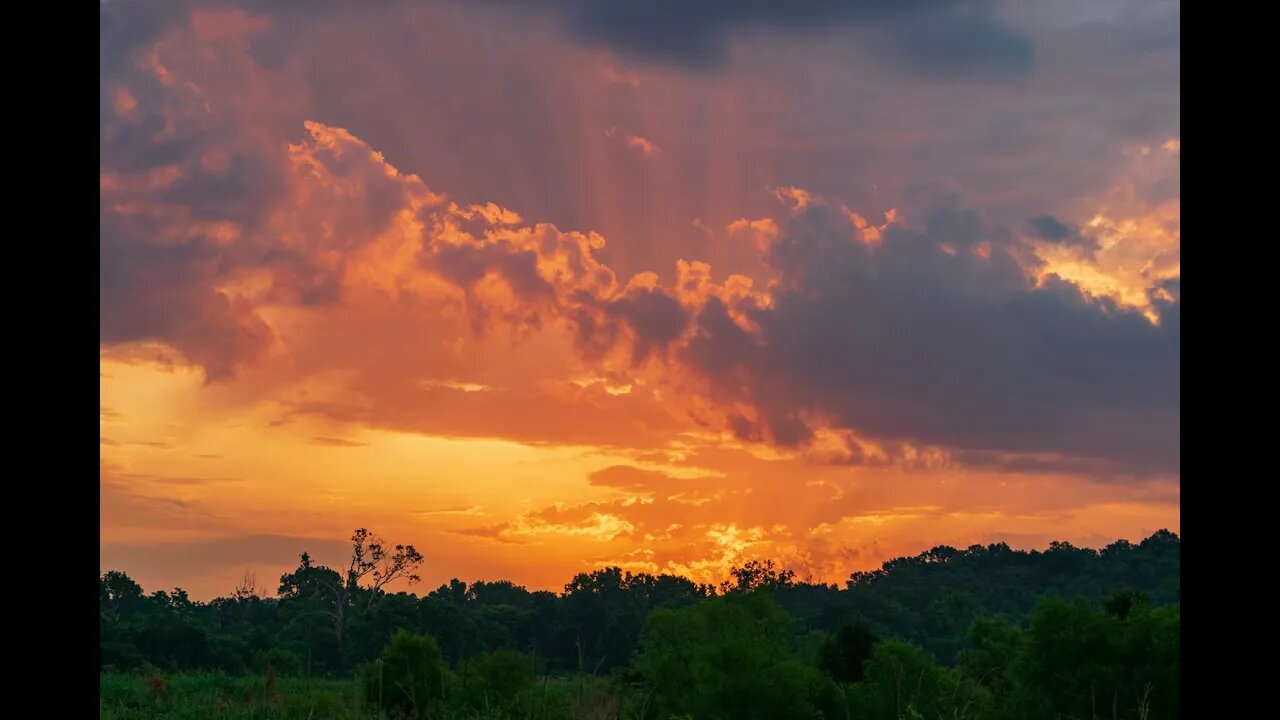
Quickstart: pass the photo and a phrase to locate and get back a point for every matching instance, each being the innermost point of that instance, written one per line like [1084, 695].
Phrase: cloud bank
[811, 306]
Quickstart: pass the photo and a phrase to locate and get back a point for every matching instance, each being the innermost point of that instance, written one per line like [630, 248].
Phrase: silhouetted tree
[119, 595]
[370, 559]
[756, 575]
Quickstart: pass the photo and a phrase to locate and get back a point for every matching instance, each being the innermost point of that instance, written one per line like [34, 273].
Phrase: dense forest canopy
[985, 632]
[320, 624]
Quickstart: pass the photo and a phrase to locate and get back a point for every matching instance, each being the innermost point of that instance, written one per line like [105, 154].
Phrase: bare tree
[373, 563]
[371, 559]
[248, 587]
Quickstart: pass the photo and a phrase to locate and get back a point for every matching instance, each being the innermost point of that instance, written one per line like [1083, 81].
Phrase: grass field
[196, 696]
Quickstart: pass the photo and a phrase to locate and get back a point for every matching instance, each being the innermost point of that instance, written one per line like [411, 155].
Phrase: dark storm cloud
[933, 36]
[158, 276]
[152, 292]
[159, 266]
[904, 341]
[125, 29]
[1051, 229]
[743, 428]
[909, 341]
[787, 428]
[468, 265]
[957, 42]
[656, 318]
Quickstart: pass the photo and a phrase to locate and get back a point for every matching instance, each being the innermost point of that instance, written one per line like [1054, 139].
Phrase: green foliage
[118, 596]
[318, 705]
[727, 657]
[982, 633]
[1125, 602]
[994, 646]
[844, 654]
[730, 657]
[200, 696]
[903, 680]
[933, 598]
[285, 663]
[600, 615]
[1079, 660]
[499, 681]
[409, 679]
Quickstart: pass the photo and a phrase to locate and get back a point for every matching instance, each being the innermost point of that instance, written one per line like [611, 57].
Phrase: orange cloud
[400, 257]
[125, 103]
[1138, 241]
[287, 314]
[795, 198]
[869, 233]
[636, 142]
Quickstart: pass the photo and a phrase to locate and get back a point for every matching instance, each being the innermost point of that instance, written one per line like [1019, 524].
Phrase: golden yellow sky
[178, 470]
[554, 308]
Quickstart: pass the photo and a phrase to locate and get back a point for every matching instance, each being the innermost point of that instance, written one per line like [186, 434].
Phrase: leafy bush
[286, 663]
[903, 680]
[1077, 659]
[409, 679]
[500, 680]
[727, 657]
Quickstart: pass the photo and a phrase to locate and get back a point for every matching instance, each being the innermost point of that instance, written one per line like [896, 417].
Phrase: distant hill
[932, 598]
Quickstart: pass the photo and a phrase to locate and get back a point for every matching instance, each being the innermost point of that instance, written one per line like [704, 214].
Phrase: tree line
[985, 631]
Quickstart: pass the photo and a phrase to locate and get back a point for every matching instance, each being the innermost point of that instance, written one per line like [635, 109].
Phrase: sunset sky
[546, 285]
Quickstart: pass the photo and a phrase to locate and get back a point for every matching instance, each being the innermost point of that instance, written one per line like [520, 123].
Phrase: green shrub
[499, 680]
[318, 705]
[286, 663]
[408, 681]
[728, 657]
[903, 681]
